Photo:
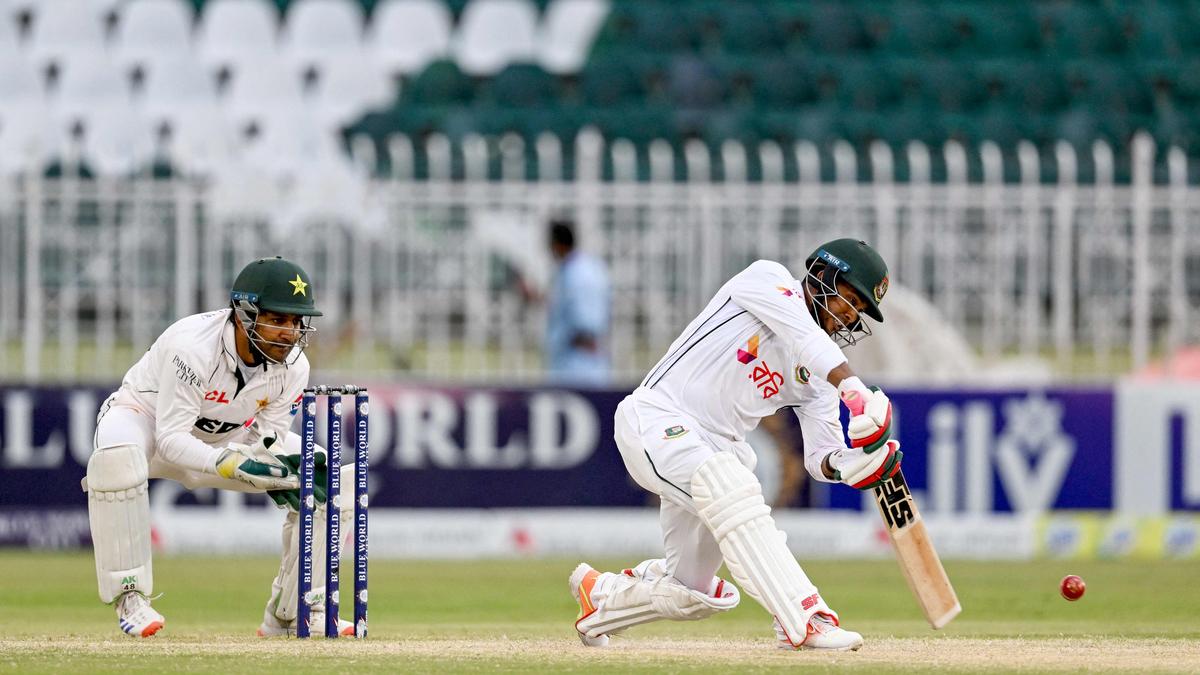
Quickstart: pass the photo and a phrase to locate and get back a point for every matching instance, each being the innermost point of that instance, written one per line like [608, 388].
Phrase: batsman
[765, 341]
[210, 404]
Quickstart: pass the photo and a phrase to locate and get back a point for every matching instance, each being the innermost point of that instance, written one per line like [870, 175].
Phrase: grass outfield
[516, 615]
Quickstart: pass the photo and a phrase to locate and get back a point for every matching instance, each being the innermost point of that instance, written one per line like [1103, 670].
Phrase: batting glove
[864, 471]
[870, 423]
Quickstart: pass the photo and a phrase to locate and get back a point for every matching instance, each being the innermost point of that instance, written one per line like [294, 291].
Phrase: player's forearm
[186, 451]
[838, 374]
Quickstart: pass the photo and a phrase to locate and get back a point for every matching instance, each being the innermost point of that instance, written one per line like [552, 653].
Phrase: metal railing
[419, 280]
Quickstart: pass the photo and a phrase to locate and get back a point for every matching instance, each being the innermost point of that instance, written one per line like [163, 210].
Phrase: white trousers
[662, 448]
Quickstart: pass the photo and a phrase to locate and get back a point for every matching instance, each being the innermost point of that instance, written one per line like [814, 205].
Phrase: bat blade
[914, 551]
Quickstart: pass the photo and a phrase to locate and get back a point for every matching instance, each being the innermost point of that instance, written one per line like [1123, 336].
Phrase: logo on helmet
[298, 286]
[881, 289]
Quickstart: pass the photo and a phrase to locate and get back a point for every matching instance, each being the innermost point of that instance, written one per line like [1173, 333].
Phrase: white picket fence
[417, 277]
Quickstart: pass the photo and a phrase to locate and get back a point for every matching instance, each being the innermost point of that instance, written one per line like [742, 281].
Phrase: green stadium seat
[825, 27]
[1001, 124]
[1158, 29]
[441, 83]
[740, 27]
[913, 29]
[523, 85]
[861, 83]
[818, 122]
[990, 29]
[1112, 86]
[611, 80]
[1032, 86]
[640, 124]
[1071, 29]
[783, 82]
[952, 85]
[1177, 79]
[663, 27]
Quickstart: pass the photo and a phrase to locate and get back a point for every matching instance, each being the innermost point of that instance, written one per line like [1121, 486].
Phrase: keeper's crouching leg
[279, 617]
[610, 603]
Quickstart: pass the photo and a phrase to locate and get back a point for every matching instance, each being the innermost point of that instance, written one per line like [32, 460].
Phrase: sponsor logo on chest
[767, 380]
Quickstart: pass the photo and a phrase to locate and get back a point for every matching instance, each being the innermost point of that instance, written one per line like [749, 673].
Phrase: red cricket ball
[1072, 587]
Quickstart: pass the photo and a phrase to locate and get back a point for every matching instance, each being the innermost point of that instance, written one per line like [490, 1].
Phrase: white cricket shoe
[136, 617]
[582, 581]
[273, 627]
[823, 633]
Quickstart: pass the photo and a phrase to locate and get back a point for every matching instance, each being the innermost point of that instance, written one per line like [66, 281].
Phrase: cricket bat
[915, 553]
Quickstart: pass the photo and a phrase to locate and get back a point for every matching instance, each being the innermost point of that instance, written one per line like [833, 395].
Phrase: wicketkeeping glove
[235, 462]
[864, 471]
[290, 499]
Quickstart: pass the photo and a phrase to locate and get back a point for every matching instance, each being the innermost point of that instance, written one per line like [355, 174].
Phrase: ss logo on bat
[895, 502]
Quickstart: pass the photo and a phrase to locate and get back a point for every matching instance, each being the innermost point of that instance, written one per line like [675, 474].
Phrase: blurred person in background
[578, 312]
[210, 404]
[765, 341]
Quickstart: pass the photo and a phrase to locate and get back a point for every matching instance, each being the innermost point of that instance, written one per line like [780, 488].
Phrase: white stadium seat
[567, 31]
[405, 35]
[150, 30]
[236, 31]
[62, 32]
[89, 82]
[8, 25]
[202, 142]
[28, 136]
[174, 86]
[318, 29]
[115, 141]
[262, 89]
[19, 81]
[347, 87]
[494, 33]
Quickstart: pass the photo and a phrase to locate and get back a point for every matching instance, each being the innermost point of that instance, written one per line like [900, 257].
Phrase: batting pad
[646, 593]
[119, 514]
[730, 502]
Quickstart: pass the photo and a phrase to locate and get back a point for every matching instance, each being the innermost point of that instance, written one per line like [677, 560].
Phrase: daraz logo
[750, 352]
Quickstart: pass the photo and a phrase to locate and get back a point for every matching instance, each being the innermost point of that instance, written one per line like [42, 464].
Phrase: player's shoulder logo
[749, 352]
[674, 432]
[881, 288]
[789, 292]
[802, 374]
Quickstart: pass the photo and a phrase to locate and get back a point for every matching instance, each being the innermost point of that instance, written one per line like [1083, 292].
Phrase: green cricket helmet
[854, 262]
[274, 285]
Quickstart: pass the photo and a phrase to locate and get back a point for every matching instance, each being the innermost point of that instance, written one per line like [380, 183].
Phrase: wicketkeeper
[765, 341]
[210, 404]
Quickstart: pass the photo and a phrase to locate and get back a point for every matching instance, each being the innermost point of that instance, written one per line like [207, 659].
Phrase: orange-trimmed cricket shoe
[136, 617]
[582, 581]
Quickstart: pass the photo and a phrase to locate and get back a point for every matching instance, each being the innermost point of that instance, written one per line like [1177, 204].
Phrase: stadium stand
[778, 71]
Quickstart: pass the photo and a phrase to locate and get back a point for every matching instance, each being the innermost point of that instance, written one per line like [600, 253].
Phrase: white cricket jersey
[753, 350]
[190, 383]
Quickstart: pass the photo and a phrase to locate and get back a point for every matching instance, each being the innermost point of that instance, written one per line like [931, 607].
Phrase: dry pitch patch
[1077, 654]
